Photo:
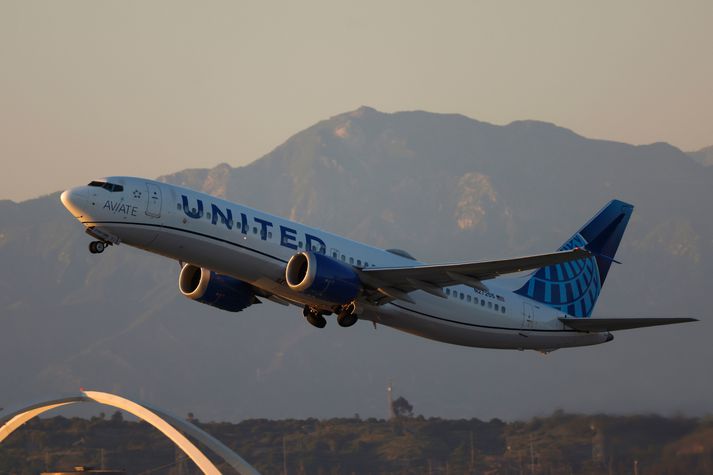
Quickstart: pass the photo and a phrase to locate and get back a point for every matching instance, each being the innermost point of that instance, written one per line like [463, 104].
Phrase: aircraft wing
[397, 282]
[612, 324]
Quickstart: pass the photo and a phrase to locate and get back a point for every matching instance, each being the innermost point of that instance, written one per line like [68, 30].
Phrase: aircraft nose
[74, 200]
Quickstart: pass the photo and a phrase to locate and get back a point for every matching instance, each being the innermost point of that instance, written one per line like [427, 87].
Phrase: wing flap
[614, 324]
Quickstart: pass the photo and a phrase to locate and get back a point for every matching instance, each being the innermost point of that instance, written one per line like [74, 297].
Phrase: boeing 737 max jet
[232, 256]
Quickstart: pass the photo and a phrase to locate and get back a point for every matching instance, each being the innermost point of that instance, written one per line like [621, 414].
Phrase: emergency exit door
[528, 315]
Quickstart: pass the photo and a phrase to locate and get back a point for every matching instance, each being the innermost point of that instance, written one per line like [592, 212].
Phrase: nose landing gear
[104, 239]
[97, 247]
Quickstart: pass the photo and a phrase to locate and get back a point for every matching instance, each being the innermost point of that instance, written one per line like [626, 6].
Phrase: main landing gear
[97, 247]
[314, 317]
[346, 316]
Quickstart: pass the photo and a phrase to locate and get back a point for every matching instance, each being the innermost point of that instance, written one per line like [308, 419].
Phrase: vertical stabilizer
[573, 287]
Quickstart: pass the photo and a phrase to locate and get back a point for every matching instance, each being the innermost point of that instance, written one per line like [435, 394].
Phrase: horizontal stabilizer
[613, 324]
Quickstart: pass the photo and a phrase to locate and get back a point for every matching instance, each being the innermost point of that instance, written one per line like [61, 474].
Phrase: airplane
[232, 256]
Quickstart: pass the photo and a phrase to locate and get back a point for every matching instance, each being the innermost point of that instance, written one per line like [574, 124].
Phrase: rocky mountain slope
[444, 187]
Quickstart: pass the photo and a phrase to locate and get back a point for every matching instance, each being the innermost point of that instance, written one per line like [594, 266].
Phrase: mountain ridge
[703, 156]
[443, 187]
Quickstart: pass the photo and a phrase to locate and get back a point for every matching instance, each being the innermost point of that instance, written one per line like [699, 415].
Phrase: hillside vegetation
[558, 444]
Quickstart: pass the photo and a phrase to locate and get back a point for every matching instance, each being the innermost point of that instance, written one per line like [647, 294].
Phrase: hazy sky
[93, 88]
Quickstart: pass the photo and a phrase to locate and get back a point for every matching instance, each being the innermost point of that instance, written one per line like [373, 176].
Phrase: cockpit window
[107, 186]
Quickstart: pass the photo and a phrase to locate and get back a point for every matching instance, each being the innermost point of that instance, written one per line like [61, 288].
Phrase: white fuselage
[254, 247]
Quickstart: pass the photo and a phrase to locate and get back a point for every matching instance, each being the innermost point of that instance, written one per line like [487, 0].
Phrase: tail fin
[573, 287]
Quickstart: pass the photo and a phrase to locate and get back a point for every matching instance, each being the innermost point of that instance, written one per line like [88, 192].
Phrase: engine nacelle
[322, 277]
[216, 290]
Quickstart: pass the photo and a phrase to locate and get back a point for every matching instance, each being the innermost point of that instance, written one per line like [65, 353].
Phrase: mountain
[445, 188]
[703, 156]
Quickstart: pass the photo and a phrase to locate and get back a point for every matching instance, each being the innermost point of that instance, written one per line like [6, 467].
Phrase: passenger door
[153, 207]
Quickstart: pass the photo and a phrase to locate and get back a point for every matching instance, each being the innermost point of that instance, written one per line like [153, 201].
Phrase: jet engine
[322, 277]
[217, 290]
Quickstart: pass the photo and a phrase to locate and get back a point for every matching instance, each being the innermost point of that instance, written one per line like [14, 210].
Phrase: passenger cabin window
[482, 302]
[344, 258]
[462, 295]
[359, 262]
[254, 230]
[335, 255]
[351, 260]
[502, 309]
[468, 298]
[497, 307]
[448, 291]
[178, 207]
[299, 244]
[490, 304]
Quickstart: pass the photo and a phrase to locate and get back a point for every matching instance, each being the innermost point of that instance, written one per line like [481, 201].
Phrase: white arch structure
[166, 423]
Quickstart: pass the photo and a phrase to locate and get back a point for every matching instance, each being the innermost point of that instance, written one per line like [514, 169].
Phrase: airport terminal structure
[169, 425]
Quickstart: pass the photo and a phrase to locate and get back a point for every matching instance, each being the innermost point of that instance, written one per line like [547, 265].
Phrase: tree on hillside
[402, 408]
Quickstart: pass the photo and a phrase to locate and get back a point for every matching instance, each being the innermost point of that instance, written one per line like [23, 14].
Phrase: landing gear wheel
[347, 316]
[96, 247]
[316, 319]
[346, 319]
